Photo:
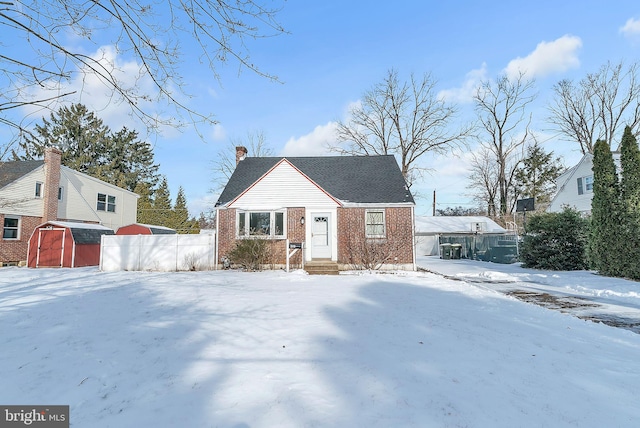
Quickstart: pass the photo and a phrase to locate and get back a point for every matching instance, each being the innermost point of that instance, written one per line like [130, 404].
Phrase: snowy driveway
[613, 301]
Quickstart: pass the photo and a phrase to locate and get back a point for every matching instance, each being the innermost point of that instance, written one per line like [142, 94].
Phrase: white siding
[283, 187]
[80, 197]
[18, 197]
[568, 190]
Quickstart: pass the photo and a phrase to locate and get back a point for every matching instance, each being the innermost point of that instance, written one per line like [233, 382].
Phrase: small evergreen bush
[556, 241]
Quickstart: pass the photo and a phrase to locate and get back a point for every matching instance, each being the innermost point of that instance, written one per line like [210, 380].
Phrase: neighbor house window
[60, 193]
[374, 227]
[261, 223]
[585, 185]
[38, 189]
[106, 203]
[11, 228]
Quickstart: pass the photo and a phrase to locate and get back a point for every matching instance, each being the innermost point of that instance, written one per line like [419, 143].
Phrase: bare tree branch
[149, 32]
[405, 119]
[225, 162]
[504, 124]
[599, 106]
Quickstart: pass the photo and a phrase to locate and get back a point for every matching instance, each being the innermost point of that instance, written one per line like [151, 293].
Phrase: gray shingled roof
[356, 179]
[88, 236]
[11, 171]
[83, 233]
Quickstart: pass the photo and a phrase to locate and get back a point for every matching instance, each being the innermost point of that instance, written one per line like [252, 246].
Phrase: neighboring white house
[38, 191]
[575, 186]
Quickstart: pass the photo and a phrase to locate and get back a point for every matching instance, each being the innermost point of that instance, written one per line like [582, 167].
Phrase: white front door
[320, 236]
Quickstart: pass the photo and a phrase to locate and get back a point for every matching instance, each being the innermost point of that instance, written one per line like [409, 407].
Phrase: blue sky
[336, 50]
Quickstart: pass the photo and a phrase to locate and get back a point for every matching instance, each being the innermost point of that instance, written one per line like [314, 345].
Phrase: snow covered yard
[270, 349]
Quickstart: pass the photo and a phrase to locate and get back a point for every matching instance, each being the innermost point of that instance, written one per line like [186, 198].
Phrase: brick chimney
[241, 153]
[52, 161]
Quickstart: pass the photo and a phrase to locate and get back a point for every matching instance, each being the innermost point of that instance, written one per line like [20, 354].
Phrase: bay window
[268, 224]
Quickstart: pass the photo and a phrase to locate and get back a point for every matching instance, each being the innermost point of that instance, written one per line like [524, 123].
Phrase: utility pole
[434, 203]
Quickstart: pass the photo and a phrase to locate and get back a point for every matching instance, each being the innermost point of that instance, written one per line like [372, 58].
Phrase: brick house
[355, 211]
[34, 192]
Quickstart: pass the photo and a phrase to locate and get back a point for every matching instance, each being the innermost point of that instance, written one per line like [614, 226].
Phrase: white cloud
[218, 133]
[548, 57]
[91, 91]
[631, 28]
[465, 93]
[316, 143]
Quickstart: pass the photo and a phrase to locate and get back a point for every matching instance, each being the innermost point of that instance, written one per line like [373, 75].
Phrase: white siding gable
[80, 197]
[18, 197]
[283, 186]
[568, 192]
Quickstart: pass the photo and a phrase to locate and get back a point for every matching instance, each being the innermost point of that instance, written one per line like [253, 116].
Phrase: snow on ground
[271, 349]
[618, 297]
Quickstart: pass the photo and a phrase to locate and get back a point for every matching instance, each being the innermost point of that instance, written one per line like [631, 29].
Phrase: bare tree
[504, 129]
[599, 106]
[225, 162]
[483, 180]
[151, 32]
[406, 119]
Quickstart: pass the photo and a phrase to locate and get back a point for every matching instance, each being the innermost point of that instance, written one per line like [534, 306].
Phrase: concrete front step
[322, 267]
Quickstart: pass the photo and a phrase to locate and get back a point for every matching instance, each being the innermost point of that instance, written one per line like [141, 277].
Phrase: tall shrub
[630, 204]
[556, 241]
[605, 243]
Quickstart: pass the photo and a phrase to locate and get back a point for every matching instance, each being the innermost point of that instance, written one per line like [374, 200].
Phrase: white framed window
[585, 184]
[60, 193]
[106, 203]
[11, 228]
[38, 193]
[268, 224]
[375, 224]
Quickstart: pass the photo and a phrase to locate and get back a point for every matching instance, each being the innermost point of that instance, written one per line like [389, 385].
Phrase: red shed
[144, 229]
[66, 244]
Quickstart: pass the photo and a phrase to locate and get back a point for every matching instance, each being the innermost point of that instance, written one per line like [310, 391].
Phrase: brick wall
[395, 248]
[295, 233]
[13, 251]
[226, 232]
[52, 160]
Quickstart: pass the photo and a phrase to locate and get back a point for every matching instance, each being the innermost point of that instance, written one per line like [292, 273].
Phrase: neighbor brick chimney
[52, 161]
[241, 153]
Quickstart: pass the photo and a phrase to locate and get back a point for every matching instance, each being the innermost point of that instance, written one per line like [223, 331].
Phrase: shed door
[320, 242]
[50, 248]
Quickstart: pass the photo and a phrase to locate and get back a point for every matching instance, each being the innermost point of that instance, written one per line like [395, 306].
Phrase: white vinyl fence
[157, 252]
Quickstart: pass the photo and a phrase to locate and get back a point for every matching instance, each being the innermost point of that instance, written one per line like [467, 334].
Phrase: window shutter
[580, 190]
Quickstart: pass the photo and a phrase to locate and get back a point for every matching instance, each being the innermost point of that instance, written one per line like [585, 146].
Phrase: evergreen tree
[162, 212]
[145, 204]
[180, 215]
[630, 204]
[605, 245]
[77, 132]
[556, 241]
[128, 161]
[537, 176]
[89, 146]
